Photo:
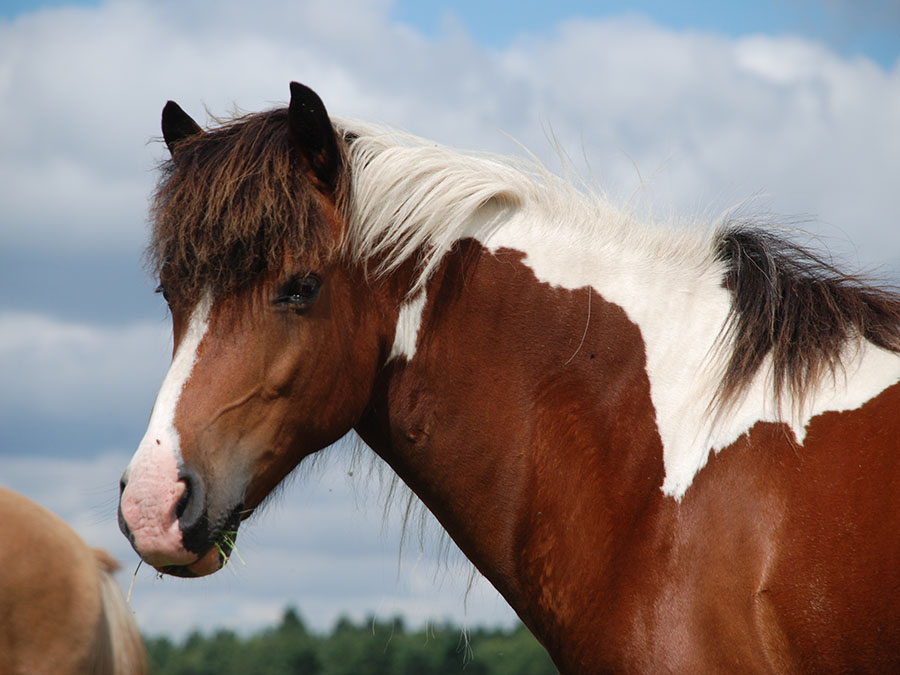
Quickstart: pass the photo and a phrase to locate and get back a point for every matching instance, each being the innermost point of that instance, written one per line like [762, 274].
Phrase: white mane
[413, 197]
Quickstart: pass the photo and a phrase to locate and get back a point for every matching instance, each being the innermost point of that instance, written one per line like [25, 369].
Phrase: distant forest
[372, 647]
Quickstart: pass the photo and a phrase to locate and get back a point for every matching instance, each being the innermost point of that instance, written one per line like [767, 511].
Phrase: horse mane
[412, 198]
[232, 204]
[235, 201]
[795, 307]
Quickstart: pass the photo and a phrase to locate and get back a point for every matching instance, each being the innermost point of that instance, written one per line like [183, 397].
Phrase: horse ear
[313, 134]
[177, 125]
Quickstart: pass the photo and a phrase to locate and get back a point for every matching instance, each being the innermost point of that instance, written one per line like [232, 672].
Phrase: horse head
[274, 349]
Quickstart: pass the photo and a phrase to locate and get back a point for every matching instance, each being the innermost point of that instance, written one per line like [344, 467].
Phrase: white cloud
[66, 370]
[722, 120]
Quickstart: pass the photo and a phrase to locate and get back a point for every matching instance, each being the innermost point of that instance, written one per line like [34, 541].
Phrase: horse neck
[520, 413]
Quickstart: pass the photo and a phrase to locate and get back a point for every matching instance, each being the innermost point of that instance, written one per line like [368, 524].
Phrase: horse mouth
[213, 546]
[206, 544]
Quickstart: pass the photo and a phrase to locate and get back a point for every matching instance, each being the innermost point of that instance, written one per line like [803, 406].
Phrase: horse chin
[212, 561]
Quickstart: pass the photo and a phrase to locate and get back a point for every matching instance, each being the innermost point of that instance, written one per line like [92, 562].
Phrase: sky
[789, 111]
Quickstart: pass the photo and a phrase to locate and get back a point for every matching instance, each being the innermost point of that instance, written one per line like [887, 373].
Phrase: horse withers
[669, 450]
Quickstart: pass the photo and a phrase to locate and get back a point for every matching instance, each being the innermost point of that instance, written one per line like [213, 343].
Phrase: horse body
[63, 613]
[547, 468]
[655, 480]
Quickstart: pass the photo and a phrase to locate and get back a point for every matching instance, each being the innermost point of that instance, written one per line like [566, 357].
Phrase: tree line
[371, 647]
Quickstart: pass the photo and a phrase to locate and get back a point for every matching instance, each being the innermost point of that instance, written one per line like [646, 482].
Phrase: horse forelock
[234, 203]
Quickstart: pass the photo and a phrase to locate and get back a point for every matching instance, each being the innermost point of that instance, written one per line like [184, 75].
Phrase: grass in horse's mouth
[131, 585]
[226, 546]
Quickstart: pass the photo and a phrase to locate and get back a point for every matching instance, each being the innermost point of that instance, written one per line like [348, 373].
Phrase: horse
[63, 612]
[670, 449]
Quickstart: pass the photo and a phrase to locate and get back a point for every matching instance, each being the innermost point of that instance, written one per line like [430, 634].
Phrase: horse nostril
[123, 525]
[191, 512]
[183, 501]
[192, 503]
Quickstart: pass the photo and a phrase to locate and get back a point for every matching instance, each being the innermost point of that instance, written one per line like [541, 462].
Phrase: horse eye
[299, 292]
[161, 289]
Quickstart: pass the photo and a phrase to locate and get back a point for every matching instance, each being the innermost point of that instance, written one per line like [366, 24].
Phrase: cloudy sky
[791, 108]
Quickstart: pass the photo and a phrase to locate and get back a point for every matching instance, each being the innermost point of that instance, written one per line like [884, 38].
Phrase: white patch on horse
[161, 428]
[153, 487]
[406, 334]
[680, 306]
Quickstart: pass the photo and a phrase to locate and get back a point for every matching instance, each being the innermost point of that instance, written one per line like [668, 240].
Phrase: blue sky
[694, 108]
[870, 27]
[867, 27]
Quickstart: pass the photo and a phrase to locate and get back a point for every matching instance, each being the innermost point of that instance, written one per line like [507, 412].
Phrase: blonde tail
[123, 652]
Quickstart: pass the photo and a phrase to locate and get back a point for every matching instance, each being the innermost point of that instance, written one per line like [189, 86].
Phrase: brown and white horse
[63, 613]
[670, 451]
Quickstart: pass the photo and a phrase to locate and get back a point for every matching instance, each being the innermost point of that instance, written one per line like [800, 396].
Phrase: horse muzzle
[166, 515]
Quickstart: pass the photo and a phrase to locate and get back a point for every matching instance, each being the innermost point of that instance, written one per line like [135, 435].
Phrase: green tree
[372, 647]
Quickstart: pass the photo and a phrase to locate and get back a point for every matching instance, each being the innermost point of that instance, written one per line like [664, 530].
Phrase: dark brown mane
[792, 304]
[232, 204]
